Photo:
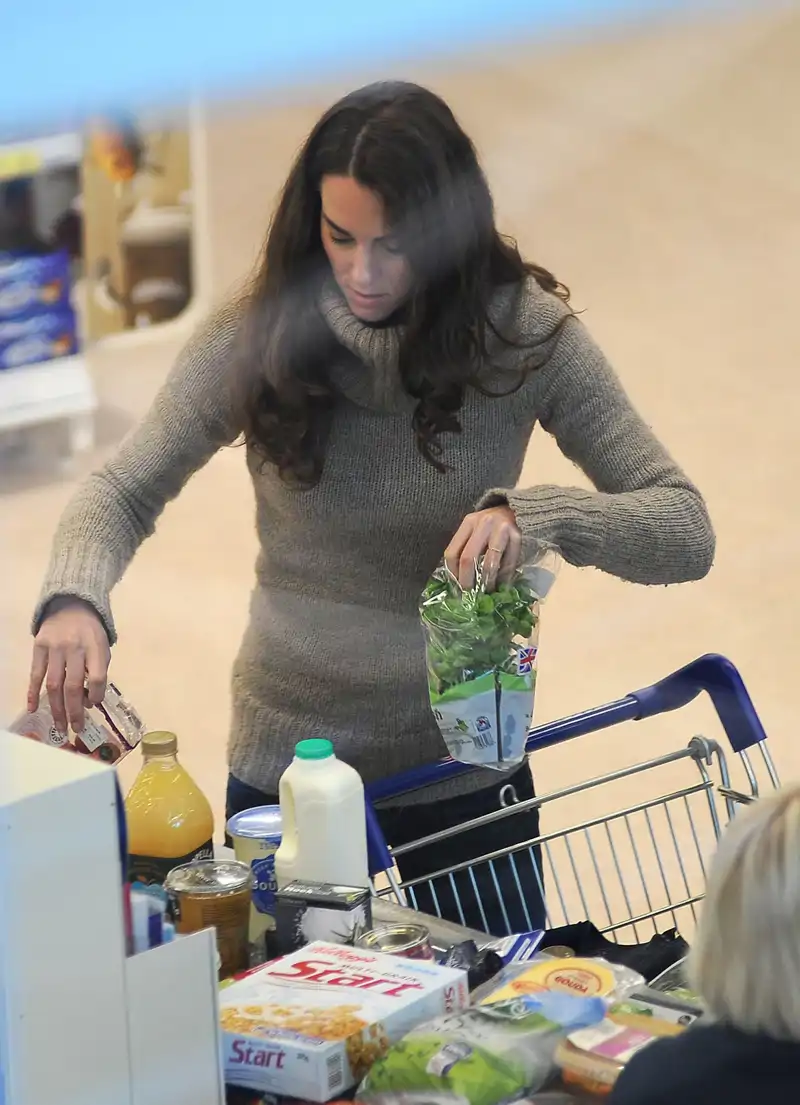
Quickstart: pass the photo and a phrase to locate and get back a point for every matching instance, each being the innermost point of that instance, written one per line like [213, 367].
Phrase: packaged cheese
[583, 978]
[311, 1024]
[593, 1058]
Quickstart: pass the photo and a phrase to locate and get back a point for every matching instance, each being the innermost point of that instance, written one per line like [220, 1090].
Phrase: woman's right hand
[71, 655]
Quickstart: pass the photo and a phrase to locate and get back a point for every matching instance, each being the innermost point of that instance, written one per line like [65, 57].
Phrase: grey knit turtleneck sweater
[334, 646]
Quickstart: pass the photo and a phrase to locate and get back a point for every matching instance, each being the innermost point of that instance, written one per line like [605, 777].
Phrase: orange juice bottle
[169, 819]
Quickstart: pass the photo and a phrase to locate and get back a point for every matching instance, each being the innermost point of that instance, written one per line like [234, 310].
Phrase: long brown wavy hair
[404, 143]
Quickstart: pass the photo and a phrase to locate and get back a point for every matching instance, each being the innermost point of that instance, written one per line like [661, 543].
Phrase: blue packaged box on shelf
[32, 283]
[42, 337]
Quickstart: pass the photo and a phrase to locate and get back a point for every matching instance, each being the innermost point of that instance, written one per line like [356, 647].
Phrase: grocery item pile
[311, 1024]
[329, 1017]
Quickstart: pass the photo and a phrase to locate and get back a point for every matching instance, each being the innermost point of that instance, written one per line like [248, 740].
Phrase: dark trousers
[502, 896]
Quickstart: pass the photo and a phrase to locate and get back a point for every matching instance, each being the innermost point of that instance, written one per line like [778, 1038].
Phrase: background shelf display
[52, 388]
[37, 155]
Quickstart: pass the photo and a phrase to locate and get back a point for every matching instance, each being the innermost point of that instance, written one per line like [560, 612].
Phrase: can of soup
[407, 941]
[256, 834]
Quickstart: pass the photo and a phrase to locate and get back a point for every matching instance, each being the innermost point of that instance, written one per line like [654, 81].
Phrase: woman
[386, 371]
[746, 965]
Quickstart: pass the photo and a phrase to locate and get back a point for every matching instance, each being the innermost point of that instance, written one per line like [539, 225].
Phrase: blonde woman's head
[746, 958]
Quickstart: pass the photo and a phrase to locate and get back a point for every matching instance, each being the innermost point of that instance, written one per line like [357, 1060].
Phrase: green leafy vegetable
[470, 633]
[436, 1063]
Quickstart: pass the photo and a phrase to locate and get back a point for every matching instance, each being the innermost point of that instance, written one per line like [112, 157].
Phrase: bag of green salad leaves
[488, 1054]
[481, 649]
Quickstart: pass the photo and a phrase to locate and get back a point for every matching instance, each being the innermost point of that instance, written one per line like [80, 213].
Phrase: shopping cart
[641, 865]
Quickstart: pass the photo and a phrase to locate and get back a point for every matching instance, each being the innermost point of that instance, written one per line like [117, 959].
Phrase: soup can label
[265, 883]
[256, 835]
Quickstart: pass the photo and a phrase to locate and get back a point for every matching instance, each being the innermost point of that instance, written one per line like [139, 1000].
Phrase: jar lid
[160, 744]
[313, 749]
[259, 823]
[209, 876]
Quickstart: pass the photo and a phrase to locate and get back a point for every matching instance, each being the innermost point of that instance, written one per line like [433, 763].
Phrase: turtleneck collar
[370, 377]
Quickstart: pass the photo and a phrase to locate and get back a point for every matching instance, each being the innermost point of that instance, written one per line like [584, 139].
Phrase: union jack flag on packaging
[526, 660]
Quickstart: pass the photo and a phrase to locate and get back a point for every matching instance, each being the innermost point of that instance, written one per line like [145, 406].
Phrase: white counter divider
[53, 391]
[81, 1023]
[173, 1024]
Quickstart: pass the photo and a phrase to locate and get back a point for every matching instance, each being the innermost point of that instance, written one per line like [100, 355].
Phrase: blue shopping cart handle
[713, 674]
[725, 687]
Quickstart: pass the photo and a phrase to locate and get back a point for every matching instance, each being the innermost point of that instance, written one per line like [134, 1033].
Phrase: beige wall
[659, 175]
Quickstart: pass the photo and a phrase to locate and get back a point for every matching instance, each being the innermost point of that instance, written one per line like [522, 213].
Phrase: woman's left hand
[492, 534]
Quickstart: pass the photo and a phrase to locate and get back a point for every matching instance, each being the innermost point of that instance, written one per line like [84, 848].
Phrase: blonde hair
[746, 959]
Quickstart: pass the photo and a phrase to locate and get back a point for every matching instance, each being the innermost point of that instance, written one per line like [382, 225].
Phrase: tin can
[256, 834]
[407, 941]
[214, 894]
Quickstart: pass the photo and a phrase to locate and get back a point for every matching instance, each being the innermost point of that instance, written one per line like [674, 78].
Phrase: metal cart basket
[634, 870]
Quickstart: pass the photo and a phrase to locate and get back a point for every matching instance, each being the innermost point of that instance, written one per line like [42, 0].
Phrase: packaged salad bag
[481, 649]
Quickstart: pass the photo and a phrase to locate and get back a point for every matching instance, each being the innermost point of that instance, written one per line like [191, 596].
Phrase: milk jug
[322, 813]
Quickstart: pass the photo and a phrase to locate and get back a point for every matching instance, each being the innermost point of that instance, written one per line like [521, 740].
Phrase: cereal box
[311, 1024]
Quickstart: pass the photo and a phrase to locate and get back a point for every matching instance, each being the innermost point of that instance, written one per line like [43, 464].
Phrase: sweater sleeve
[117, 507]
[645, 521]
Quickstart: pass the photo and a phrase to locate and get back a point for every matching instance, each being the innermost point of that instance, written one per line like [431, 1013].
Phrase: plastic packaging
[111, 730]
[593, 1058]
[481, 964]
[647, 1002]
[324, 823]
[412, 1099]
[674, 983]
[485, 963]
[546, 1098]
[490, 1053]
[169, 819]
[517, 948]
[481, 651]
[585, 978]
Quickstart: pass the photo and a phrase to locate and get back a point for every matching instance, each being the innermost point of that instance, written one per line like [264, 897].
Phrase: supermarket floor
[659, 175]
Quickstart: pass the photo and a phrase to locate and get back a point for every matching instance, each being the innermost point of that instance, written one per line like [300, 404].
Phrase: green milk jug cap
[313, 749]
